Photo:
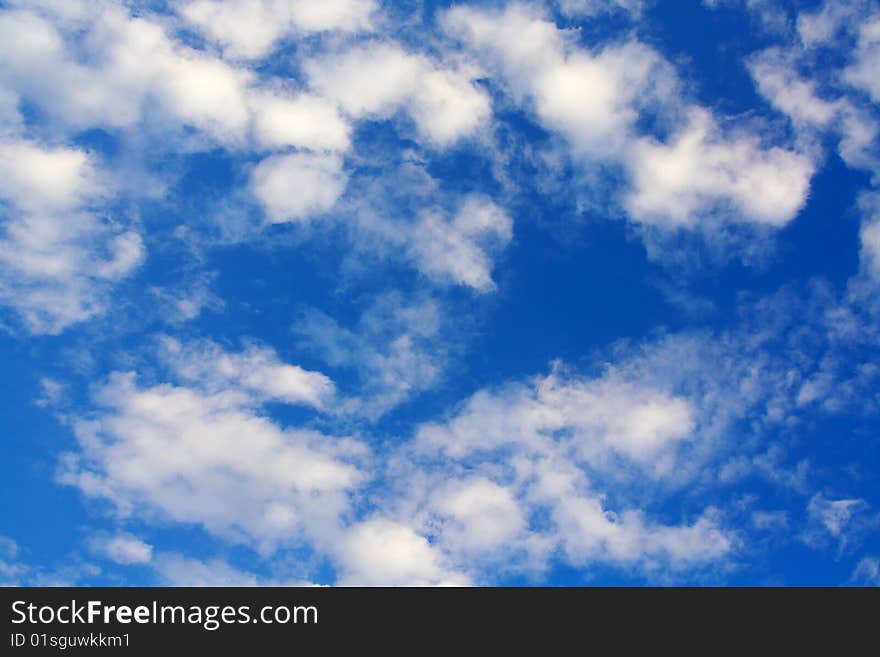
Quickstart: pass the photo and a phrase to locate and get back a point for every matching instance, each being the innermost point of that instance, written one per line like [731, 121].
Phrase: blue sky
[355, 292]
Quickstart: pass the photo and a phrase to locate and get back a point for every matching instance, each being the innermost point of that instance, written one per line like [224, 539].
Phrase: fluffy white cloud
[594, 99]
[450, 238]
[780, 83]
[701, 173]
[256, 371]
[595, 419]
[205, 92]
[527, 451]
[559, 468]
[38, 179]
[791, 82]
[457, 248]
[210, 459]
[122, 63]
[251, 28]
[178, 570]
[478, 516]
[591, 532]
[121, 548]
[380, 552]
[116, 70]
[303, 121]
[297, 186]
[821, 26]
[58, 259]
[378, 79]
[824, 101]
[864, 72]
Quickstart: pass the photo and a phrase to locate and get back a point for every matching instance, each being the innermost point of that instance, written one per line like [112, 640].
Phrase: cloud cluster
[349, 134]
[377, 79]
[59, 256]
[250, 30]
[795, 79]
[693, 171]
[210, 459]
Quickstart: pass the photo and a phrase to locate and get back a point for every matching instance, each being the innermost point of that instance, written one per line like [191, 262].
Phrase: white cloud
[456, 248]
[205, 92]
[701, 173]
[864, 72]
[122, 62]
[479, 515]
[405, 214]
[821, 27]
[517, 475]
[560, 468]
[38, 179]
[178, 570]
[794, 89]
[252, 28]
[378, 79]
[780, 83]
[58, 259]
[770, 520]
[116, 70]
[833, 515]
[371, 80]
[121, 548]
[380, 552]
[595, 419]
[825, 99]
[517, 40]
[297, 186]
[186, 301]
[210, 459]
[594, 99]
[256, 371]
[840, 520]
[858, 138]
[303, 121]
[867, 572]
[591, 532]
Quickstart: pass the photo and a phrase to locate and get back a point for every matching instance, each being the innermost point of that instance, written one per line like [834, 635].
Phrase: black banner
[199, 621]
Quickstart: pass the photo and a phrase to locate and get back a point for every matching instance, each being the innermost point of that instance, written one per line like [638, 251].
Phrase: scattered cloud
[210, 459]
[250, 30]
[121, 548]
[375, 173]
